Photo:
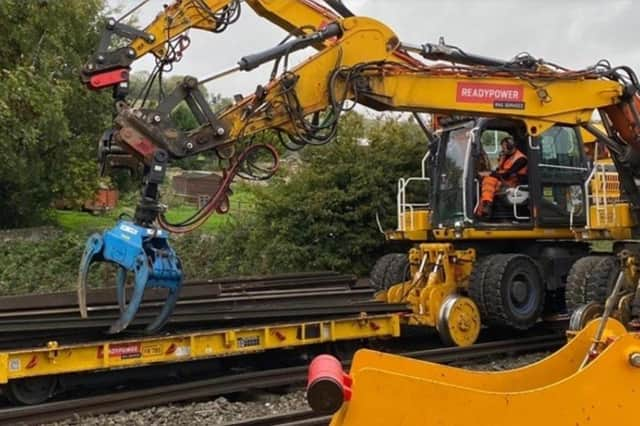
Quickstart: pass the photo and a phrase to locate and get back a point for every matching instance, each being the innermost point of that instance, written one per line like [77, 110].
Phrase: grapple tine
[128, 314]
[165, 313]
[91, 252]
[167, 270]
[121, 288]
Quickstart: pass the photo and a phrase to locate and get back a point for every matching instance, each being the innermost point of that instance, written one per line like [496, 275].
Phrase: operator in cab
[511, 172]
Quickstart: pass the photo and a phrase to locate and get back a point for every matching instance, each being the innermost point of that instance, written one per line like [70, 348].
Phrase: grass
[85, 222]
[78, 221]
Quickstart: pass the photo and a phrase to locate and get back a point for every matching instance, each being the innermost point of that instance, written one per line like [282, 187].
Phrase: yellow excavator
[498, 270]
[495, 269]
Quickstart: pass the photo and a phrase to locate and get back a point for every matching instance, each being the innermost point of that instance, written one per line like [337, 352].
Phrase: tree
[323, 216]
[49, 122]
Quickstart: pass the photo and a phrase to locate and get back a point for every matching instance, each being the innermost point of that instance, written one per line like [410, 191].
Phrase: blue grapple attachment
[146, 253]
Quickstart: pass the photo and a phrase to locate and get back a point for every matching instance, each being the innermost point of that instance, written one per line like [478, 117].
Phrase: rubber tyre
[390, 269]
[599, 283]
[509, 290]
[576, 287]
[476, 282]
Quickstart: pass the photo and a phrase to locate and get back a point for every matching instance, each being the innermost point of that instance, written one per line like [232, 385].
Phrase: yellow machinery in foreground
[394, 391]
[593, 380]
[469, 271]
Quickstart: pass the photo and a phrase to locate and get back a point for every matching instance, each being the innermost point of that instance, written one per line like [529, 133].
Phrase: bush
[323, 217]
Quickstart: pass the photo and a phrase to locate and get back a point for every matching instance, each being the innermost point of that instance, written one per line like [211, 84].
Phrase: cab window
[560, 153]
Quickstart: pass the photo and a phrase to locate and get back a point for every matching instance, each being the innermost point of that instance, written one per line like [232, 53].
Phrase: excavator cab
[454, 247]
[470, 150]
[551, 193]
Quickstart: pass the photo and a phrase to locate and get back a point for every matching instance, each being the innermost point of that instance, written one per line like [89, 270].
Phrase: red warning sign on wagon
[499, 95]
[121, 350]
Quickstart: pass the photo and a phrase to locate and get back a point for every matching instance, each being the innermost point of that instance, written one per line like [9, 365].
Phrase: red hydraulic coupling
[328, 386]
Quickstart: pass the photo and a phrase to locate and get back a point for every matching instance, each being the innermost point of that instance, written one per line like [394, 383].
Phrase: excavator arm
[165, 36]
[363, 62]
[359, 60]
[108, 66]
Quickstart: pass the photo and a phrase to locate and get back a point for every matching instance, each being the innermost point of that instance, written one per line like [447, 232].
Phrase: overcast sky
[573, 33]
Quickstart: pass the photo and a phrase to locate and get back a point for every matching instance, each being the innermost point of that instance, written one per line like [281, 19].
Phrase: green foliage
[49, 122]
[40, 267]
[324, 215]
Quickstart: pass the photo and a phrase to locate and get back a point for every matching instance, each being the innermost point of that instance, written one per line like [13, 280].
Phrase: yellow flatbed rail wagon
[55, 359]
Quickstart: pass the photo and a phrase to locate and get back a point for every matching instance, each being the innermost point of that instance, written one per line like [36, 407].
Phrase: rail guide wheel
[458, 321]
[583, 314]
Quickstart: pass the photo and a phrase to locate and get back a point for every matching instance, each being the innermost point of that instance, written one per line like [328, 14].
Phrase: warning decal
[122, 350]
[498, 95]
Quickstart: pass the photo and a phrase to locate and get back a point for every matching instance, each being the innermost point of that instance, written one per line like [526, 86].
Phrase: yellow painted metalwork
[363, 40]
[291, 15]
[460, 322]
[414, 235]
[366, 40]
[438, 270]
[180, 16]
[418, 220]
[611, 216]
[499, 234]
[606, 184]
[177, 18]
[391, 390]
[59, 359]
[425, 91]
[451, 234]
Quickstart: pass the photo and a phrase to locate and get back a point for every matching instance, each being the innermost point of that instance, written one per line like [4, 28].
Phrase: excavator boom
[165, 36]
[361, 60]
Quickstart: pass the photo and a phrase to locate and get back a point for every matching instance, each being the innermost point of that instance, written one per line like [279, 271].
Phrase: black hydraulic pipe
[610, 143]
[425, 129]
[339, 7]
[251, 62]
[444, 52]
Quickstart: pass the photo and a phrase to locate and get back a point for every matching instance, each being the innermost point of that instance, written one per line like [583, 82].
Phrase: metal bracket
[106, 60]
[156, 125]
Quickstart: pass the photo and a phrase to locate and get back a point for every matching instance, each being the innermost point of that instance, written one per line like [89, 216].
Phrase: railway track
[296, 418]
[138, 399]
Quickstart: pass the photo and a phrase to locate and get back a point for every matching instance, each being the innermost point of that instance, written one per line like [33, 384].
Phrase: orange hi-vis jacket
[503, 176]
[506, 163]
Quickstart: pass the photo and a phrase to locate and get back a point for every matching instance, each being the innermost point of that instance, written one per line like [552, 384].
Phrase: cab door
[559, 171]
